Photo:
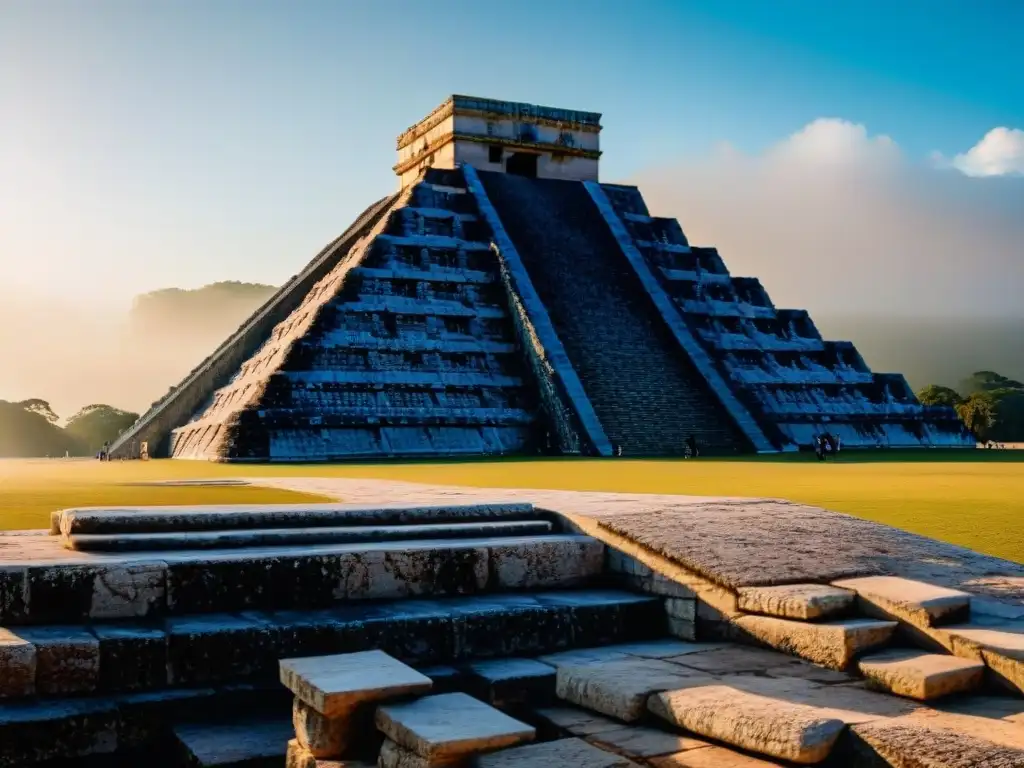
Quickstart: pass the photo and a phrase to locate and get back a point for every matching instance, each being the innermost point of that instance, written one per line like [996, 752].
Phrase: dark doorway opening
[522, 164]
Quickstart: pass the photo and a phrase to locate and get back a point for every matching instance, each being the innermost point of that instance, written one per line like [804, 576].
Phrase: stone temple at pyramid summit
[504, 300]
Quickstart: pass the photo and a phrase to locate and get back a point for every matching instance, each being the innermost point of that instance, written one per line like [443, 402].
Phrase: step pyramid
[504, 302]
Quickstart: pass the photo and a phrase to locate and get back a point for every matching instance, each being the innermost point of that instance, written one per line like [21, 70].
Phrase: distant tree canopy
[95, 425]
[29, 428]
[991, 405]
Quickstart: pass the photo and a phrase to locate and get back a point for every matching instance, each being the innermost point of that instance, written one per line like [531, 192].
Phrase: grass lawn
[972, 498]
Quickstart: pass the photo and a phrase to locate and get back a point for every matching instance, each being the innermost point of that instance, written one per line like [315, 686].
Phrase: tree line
[991, 405]
[30, 428]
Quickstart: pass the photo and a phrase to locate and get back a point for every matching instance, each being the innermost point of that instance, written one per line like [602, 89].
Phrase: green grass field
[972, 498]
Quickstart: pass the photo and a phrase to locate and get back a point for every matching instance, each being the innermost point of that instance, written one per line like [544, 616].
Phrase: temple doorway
[522, 164]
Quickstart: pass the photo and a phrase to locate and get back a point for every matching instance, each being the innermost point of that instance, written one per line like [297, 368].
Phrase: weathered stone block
[564, 753]
[557, 722]
[620, 689]
[601, 617]
[218, 648]
[919, 675]
[143, 716]
[509, 625]
[244, 581]
[131, 590]
[553, 562]
[322, 736]
[13, 594]
[450, 726]
[918, 603]
[251, 742]
[394, 756]
[767, 726]
[511, 681]
[682, 629]
[35, 731]
[60, 593]
[681, 609]
[641, 743]
[297, 757]
[132, 657]
[335, 685]
[67, 659]
[414, 572]
[902, 743]
[833, 644]
[17, 665]
[805, 602]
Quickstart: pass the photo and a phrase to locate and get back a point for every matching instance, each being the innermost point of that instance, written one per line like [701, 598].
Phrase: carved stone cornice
[538, 146]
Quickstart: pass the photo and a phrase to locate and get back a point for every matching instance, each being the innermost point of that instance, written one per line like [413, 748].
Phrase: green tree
[987, 381]
[978, 413]
[935, 394]
[40, 407]
[97, 424]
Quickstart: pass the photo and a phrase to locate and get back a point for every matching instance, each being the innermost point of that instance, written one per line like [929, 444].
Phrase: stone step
[920, 675]
[833, 644]
[155, 585]
[1002, 650]
[805, 602]
[445, 729]
[261, 743]
[902, 742]
[179, 519]
[760, 724]
[271, 537]
[913, 602]
[214, 649]
[564, 753]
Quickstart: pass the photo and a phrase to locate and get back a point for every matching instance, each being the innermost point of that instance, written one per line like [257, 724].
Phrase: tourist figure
[691, 447]
[819, 447]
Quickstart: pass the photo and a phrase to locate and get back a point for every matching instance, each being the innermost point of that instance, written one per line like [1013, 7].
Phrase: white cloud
[837, 220]
[999, 153]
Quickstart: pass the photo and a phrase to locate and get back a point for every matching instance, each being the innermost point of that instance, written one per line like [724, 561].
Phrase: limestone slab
[215, 648]
[67, 659]
[833, 644]
[271, 537]
[921, 604]
[450, 725]
[57, 729]
[512, 680]
[1002, 651]
[213, 744]
[212, 517]
[620, 689]
[393, 755]
[907, 745]
[564, 753]
[554, 562]
[17, 665]
[712, 757]
[663, 649]
[920, 675]
[130, 590]
[641, 743]
[132, 656]
[333, 685]
[733, 659]
[805, 602]
[760, 724]
[573, 721]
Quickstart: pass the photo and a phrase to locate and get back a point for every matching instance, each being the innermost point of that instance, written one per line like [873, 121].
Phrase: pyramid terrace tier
[410, 351]
[795, 383]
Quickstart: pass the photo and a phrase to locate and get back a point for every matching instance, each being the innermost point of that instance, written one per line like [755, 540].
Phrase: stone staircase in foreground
[605, 652]
[148, 628]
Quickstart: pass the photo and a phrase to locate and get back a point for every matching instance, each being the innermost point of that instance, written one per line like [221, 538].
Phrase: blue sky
[148, 144]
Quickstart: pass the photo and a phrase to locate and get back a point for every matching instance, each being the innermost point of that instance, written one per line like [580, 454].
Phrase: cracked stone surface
[320, 735]
[908, 745]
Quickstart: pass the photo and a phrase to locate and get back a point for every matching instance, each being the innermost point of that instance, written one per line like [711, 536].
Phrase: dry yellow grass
[973, 498]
